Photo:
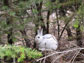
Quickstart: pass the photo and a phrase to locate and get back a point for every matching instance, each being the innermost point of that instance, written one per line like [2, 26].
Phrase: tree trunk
[27, 41]
[10, 31]
[10, 41]
[40, 19]
[58, 24]
[48, 14]
[6, 2]
[69, 33]
[79, 36]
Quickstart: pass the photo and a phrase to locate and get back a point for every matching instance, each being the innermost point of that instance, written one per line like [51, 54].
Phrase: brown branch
[67, 22]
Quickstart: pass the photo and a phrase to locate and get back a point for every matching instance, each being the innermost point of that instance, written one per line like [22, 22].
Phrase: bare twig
[62, 52]
[76, 55]
[57, 58]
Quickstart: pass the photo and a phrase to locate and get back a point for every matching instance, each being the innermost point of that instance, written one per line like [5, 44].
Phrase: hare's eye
[38, 37]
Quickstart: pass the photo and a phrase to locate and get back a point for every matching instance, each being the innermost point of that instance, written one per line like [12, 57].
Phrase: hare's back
[49, 36]
[46, 36]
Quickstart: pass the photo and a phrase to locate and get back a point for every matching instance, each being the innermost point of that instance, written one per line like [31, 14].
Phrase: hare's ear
[41, 32]
[38, 31]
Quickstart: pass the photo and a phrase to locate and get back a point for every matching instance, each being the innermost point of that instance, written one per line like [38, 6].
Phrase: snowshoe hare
[45, 42]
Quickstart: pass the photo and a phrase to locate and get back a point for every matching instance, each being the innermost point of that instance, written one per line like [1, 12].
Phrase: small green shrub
[18, 52]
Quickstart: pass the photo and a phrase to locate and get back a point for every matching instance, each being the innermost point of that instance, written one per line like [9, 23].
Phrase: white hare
[46, 42]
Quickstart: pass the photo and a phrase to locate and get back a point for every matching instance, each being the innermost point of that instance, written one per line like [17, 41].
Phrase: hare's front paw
[42, 49]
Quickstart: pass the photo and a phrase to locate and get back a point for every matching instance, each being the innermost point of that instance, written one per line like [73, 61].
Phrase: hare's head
[39, 36]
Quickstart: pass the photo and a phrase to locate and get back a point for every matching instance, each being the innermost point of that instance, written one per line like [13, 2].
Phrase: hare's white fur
[46, 42]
